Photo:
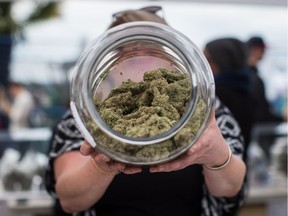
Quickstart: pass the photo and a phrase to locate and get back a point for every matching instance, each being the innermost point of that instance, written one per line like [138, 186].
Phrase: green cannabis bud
[146, 109]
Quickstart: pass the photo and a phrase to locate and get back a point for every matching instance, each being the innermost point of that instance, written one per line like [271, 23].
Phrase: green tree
[9, 27]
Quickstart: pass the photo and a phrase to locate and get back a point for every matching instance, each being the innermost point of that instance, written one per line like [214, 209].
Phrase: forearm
[82, 186]
[228, 181]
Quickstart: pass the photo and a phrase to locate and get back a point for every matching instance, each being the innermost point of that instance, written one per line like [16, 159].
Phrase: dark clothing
[4, 121]
[185, 200]
[264, 114]
[264, 111]
[234, 90]
[228, 59]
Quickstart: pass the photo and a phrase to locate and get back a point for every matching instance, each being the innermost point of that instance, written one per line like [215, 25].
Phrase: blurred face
[13, 90]
[259, 53]
[256, 54]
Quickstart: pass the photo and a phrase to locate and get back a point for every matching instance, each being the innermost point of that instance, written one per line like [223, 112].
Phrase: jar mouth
[181, 67]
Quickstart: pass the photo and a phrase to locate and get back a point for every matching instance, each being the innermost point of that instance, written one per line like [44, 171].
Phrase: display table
[14, 148]
[265, 201]
[267, 194]
[30, 203]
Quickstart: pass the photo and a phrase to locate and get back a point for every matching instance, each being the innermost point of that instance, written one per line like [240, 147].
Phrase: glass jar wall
[142, 93]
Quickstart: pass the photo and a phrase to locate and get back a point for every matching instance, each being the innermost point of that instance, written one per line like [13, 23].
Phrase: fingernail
[106, 159]
[190, 151]
[155, 169]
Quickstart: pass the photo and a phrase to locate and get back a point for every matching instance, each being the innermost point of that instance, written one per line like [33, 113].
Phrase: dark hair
[256, 42]
[229, 54]
[143, 14]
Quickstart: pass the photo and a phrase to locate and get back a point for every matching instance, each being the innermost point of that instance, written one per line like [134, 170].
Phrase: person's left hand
[210, 149]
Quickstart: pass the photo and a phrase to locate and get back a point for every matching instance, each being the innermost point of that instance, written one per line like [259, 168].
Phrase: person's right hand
[105, 163]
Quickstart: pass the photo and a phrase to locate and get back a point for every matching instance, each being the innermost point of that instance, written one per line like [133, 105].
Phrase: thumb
[86, 148]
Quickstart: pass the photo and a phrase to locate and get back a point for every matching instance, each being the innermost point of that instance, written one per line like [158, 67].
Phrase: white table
[28, 203]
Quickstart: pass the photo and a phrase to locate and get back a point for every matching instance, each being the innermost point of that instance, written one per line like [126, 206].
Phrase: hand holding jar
[210, 148]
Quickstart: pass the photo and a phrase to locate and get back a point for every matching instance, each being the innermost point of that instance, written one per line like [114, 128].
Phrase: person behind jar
[206, 180]
[233, 82]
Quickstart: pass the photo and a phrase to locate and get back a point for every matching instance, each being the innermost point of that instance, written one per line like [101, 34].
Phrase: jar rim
[183, 42]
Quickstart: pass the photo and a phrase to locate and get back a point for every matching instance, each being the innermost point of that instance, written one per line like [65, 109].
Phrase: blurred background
[40, 42]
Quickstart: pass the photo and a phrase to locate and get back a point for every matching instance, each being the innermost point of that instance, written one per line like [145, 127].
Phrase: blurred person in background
[184, 186]
[265, 114]
[4, 119]
[19, 108]
[228, 60]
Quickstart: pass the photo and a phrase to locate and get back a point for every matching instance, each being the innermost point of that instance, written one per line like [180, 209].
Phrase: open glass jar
[124, 54]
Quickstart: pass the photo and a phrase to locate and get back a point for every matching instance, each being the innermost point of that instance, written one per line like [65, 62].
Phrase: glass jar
[127, 52]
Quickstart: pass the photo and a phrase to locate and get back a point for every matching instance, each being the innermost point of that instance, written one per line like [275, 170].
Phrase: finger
[132, 170]
[117, 166]
[86, 148]
[173, 165]
[99, 157]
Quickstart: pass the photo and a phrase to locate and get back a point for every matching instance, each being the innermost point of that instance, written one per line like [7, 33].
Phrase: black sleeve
[66, 137]
[232, 133]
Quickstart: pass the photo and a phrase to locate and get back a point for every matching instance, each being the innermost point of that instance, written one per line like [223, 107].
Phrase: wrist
[221, 165]
[103, 171]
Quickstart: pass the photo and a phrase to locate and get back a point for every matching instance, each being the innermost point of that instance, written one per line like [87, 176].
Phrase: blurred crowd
[24, 105]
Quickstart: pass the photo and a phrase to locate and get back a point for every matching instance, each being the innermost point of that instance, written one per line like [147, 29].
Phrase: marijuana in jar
[146, 109]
